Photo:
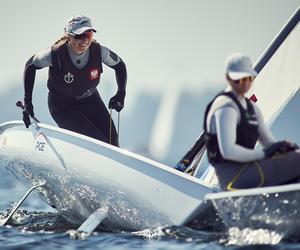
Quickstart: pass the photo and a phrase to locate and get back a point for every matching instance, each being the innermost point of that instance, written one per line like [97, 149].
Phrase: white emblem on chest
[69, 78]
[94, 74]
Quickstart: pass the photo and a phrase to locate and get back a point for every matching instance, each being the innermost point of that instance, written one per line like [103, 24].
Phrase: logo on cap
[69, 78]
[85, 21]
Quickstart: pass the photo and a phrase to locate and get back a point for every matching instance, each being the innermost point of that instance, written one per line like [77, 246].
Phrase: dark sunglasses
[86, 35]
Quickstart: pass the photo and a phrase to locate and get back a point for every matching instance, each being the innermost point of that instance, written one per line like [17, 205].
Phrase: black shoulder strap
[96, 48]
[250, 106]
[56, 66]
[54, 59]
[208, 108]
[235, 100]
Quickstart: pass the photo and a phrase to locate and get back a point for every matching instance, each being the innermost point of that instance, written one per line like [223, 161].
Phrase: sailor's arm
[38, 61]
[226, 120]
[113, 61]
[29, 77]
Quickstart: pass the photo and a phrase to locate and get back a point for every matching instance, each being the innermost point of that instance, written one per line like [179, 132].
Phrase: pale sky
[165, 44]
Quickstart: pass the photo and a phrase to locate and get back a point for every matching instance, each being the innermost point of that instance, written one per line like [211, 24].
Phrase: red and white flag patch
[94, 74]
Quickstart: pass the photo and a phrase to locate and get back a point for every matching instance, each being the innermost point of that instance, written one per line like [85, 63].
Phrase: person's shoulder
[103, 47]
[45, 51]
[43, 58]
[223, 101]
[58, 46]
[104, 51]
[223, 98]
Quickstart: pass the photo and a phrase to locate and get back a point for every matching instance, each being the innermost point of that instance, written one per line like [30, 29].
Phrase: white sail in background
[279, 79]
[162, 130]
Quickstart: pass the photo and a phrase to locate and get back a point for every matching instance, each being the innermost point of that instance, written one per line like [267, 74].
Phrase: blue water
[37, 226]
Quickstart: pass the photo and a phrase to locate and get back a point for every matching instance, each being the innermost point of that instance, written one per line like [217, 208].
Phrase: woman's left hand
[117, 101]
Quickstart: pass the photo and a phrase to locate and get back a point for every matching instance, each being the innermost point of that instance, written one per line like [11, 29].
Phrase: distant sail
[162, 130]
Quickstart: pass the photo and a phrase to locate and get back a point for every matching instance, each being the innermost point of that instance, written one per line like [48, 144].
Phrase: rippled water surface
[37, 226]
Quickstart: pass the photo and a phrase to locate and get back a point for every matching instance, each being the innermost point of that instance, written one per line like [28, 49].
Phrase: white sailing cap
[78, 25]
[239, 66]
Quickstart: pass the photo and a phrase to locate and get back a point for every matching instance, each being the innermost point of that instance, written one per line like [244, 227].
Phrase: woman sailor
[233, 124]
[75, 67]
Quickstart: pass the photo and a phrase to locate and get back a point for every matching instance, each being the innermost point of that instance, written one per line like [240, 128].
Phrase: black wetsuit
[88, 116]
[73, 99]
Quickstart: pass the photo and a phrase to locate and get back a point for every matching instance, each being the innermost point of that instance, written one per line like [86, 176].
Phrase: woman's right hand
[28, 111]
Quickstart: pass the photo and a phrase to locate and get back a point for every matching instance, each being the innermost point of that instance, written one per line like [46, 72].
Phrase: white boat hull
[83, 174]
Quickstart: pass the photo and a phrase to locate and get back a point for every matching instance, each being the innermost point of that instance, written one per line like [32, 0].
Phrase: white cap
[78, 25]
[239, 66]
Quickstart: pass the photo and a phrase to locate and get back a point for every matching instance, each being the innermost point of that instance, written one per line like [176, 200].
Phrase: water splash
[181, 234]
[150, 234]
[249, 236]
